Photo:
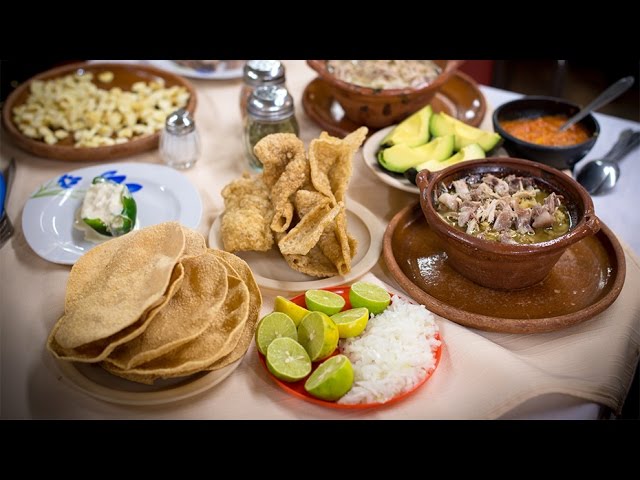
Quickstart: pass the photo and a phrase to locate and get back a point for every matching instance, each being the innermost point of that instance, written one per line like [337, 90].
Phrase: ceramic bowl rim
[320, 67]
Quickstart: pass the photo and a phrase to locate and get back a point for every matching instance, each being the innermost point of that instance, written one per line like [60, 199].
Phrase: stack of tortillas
[157, 303]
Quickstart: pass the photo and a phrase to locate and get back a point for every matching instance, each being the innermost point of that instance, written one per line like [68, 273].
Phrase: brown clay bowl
[498, 265]
[125, 75]
[377, 108]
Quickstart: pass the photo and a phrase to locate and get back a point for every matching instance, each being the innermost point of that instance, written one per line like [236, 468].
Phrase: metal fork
[6, 229]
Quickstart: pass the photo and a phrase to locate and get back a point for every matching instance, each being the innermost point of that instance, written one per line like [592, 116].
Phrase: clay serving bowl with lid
[564, 157]
[499, 265]
[378, 108]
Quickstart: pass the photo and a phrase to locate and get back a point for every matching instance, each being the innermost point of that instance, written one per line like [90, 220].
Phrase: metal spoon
[600, 176]
[605, 97]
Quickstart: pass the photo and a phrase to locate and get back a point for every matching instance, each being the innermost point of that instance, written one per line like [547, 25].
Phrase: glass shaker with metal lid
[270, 110]
[257, 73]
[180, 141]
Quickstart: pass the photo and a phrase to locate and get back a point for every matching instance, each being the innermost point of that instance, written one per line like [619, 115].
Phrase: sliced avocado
[401, 157]
[467, 135]
[473, 151]
[470, 152]
[412, 131]
[443, 124]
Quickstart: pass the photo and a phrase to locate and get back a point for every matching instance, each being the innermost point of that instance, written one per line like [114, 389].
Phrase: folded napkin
[483, 375]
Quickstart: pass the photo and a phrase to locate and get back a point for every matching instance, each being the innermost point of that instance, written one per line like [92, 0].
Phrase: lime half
[332, 379]
[323, 301]
[351, 323]
[296, 312]
[318, 335]
[287, 360]
[275, 325]
[370, 296]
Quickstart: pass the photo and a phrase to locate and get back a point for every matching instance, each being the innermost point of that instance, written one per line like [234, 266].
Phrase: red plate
[297, 388]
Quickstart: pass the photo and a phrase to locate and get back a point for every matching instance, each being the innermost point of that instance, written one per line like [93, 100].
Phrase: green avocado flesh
[402, 157]
[413, 131]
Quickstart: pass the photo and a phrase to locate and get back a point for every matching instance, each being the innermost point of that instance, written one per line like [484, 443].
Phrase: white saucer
[47, 219]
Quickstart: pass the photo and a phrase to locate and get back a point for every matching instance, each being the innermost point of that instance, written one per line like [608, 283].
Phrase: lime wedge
[287, 360]
[323, 301]
[370, 296]
[332, 379]
[318, 335]
[351, 323]
[275, 325]
[295, 312]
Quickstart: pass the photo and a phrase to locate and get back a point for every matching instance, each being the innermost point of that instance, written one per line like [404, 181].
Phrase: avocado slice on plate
[412, 131]
[401, 157]
[443, 124]
[472, 151]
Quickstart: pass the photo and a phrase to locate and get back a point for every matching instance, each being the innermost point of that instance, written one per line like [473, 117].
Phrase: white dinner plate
[97, 382]
[272, 271]
[161, 193]
[369, 151]
[220, 73]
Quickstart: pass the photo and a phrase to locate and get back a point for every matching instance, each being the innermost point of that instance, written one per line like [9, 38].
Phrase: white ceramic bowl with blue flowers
[161, 193]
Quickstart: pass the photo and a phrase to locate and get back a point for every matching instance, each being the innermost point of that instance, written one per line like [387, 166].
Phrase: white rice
[393, 354]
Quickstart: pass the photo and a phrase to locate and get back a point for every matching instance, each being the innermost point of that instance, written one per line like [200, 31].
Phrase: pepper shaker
[180, 141]
[270, 110]
[257, 73]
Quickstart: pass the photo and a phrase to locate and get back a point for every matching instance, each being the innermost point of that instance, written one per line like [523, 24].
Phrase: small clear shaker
[270, 110]
[180, 141]
[257, 73]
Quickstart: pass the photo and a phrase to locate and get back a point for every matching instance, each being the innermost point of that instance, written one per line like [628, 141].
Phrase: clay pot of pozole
[380, 107]
[512, 255]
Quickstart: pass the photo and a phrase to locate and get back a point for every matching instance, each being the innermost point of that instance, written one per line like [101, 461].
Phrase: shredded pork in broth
[385, 74]
[512, 209]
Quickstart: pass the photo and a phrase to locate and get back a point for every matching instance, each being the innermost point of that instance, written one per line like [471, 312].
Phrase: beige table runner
[481, 375]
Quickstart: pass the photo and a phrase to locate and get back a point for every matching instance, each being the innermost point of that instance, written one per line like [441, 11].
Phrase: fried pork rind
[305, 235]
[248, 212]
[196, 303]
[318, 244]
[335, 243]
[331, 162]
[99, 302]
[296, 174]
[276, 152]
[314, 263]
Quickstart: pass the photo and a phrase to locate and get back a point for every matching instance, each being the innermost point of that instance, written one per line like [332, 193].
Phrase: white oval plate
[48, 215]
[220, 74]
[97, 382]
[272, 271]
[395, 180]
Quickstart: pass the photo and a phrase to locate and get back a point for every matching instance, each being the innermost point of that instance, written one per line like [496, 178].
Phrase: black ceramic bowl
[533, 107]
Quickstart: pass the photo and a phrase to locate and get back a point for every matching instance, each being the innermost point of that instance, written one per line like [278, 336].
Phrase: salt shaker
[270, 110]
[257, 73]
[180, 141]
